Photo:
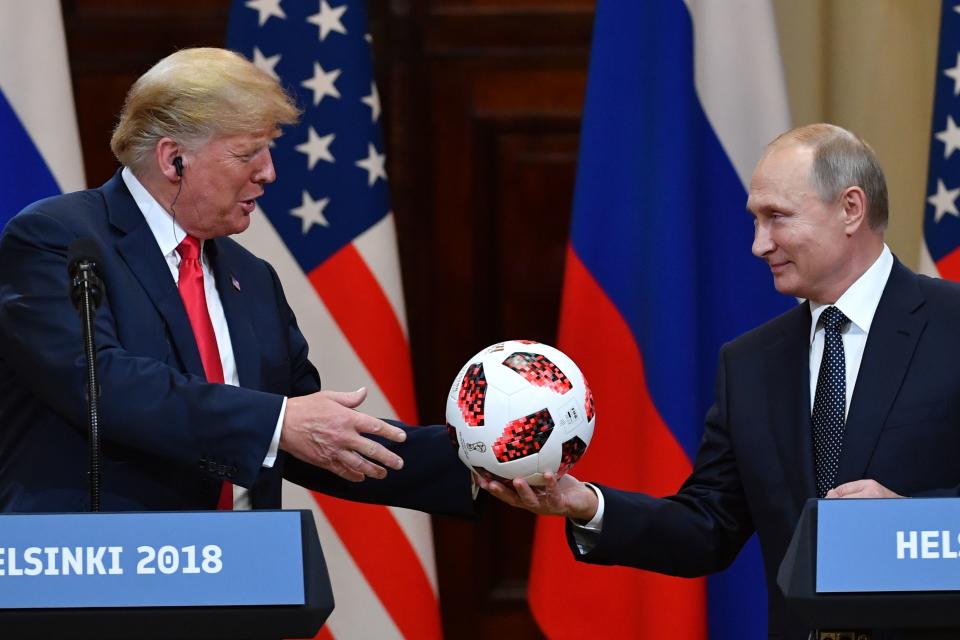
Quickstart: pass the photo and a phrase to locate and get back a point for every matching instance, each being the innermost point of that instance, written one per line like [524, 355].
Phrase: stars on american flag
[372, 101]
[316, 147]
[335, 102]
[943, 185]
[265, 63]
[375, 164]
[954, 73]
[323, 83]
[328, 20]
[950, 137]
[940, 252]
[944, 201]
[311, 211]
[266, 10]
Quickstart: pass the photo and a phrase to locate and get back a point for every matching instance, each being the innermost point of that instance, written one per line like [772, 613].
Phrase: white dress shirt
[169, 234]
[859, 303]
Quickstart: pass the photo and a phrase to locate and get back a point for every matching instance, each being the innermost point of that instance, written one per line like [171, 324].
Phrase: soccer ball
[518, 409]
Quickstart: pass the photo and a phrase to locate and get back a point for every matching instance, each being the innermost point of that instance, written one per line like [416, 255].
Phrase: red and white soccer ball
[518, 409]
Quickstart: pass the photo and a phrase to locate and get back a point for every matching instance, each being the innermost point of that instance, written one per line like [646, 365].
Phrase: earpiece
[178, 166]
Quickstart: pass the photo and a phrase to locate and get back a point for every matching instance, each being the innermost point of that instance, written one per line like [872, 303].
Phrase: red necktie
[190, 284]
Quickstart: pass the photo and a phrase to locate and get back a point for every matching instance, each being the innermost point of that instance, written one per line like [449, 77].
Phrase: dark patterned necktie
[829, 404]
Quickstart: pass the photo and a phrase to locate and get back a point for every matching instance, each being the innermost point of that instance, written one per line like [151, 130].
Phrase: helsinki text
[109, 561]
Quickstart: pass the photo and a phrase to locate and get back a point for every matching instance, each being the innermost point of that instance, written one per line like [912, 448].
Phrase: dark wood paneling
[486, 101]
[482, 103]
[112, 42]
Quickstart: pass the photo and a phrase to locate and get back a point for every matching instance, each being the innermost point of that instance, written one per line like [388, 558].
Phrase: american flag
[940, 254]
[327, 227]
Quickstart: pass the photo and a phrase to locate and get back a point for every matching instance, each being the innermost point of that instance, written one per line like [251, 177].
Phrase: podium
[230, 575]
[876, 564]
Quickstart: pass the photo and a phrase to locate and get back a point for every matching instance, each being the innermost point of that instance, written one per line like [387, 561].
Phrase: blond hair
[842, 159]
[193, 95]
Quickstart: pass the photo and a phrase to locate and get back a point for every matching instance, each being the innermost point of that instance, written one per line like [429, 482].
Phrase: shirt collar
[166, 230]
[859, 302]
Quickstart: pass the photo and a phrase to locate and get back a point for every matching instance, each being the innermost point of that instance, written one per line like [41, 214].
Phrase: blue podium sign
[888, 545]
[150, 559]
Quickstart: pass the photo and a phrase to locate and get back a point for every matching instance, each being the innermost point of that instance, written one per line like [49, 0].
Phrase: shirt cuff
[596, 522]
[585, 535]
[271, 458]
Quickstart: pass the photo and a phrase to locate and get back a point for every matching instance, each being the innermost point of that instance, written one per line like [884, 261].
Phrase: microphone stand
[87, 290]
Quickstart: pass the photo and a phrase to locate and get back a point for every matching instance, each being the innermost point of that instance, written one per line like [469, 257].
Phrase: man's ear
[167, 152]
[854, 203]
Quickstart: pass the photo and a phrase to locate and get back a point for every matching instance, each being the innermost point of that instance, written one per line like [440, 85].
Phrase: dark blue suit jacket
[754, 470]
[169, 437]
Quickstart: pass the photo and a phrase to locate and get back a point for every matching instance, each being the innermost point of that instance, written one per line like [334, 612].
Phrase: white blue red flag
[940, 253]
[38, 126]
[327, 227]
[681, 99]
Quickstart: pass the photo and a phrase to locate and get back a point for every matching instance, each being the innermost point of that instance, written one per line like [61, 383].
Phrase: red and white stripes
[351, 311]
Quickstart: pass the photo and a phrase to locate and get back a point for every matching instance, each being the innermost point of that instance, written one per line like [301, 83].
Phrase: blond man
[208, 398]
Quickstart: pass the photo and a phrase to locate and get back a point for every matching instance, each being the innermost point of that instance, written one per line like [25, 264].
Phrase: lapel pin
[235, 282]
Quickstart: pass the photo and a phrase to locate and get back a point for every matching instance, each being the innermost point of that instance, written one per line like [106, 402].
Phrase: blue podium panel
[150, 559]
[888, 545]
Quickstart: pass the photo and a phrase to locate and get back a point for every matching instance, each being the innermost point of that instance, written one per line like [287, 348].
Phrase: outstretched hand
[564, 496]
[324, 430]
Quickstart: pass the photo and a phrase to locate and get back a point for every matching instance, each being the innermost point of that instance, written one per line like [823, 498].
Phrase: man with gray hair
[208, 396]
[852, 394]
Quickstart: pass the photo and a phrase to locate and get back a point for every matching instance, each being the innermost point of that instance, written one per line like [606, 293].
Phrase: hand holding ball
[519, 409]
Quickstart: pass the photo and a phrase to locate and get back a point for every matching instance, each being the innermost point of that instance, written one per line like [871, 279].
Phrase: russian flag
[681, 99]
[38, 126]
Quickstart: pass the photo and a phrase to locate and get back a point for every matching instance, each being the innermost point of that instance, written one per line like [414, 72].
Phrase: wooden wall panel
[112, 42]
[491, 95]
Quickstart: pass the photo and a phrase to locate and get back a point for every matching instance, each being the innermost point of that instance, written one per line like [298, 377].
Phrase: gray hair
[842, 159]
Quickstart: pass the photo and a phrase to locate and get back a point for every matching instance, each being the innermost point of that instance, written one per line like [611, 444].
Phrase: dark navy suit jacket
[754, 470]
[169, 437]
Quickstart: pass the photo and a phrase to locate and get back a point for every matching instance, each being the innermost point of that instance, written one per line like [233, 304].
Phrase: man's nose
[266, 173]
[762, 243]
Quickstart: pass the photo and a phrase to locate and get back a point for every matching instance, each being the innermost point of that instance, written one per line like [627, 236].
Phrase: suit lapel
[139, 249]
[788, 370]
[236, 308]
[896, 328]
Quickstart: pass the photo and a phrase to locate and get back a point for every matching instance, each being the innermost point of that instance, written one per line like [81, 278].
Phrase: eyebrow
[250, 147]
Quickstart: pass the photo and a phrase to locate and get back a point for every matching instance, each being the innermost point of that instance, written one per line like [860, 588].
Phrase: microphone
[86, 292]
[83, 266]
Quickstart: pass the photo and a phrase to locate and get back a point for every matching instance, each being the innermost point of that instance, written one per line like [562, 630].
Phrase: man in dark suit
[853, 393]
[208, 397]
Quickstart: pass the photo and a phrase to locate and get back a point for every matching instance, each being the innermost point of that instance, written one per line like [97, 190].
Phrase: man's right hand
[324, 430]
[564, 496]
